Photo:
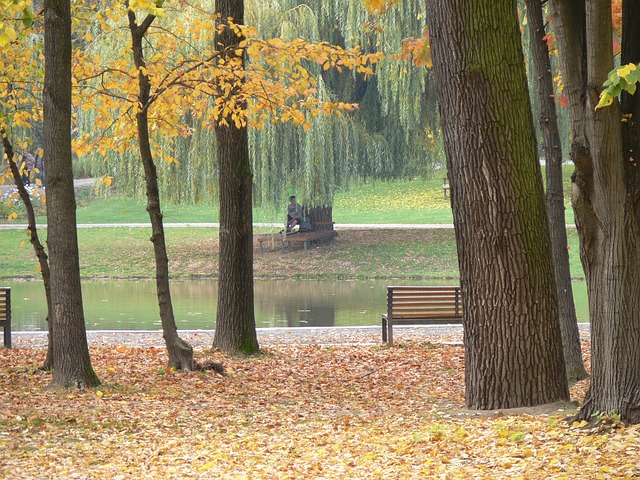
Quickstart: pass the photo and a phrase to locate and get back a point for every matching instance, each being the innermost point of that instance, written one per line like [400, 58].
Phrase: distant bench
[5, 314]
[419, 305]
[445, 186]
[306, 238]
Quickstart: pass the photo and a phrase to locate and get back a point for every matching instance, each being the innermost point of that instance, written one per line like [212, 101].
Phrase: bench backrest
[5, 305]
[420, 302]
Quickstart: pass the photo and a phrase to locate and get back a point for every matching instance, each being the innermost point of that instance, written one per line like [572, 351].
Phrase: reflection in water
[132, 305]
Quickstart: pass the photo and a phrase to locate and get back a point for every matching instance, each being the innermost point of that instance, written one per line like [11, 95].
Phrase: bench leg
[384, 330]
[390, 332]
[305, 246]
[260, 242]
[7, 335]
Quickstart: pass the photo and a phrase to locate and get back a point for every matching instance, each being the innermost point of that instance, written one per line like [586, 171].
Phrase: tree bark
[606, 201]
[70, 350]
[180, 352]
[513, 349]
[555, 193]
[631, 103]
[38, 248]
[235, 321]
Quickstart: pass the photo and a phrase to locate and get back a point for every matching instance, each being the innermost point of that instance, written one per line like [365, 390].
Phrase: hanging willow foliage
[393, 134]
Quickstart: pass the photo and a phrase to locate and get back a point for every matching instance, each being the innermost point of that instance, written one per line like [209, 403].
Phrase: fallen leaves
[299, 411]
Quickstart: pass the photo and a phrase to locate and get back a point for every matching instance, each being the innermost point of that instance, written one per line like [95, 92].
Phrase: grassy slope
[127, 252]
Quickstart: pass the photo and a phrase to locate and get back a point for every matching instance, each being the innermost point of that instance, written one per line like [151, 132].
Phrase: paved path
[337, 226]
[449, 334]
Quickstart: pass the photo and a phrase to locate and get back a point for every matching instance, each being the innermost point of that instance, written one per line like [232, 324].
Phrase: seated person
[294, 214]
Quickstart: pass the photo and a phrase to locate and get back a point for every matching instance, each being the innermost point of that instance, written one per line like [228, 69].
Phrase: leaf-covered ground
[299, 411]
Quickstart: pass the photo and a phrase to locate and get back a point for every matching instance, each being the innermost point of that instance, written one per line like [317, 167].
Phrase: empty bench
[445, 186]
[5, 314]
[419, 305]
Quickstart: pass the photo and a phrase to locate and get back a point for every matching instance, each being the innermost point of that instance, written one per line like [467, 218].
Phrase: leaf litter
[298, 411]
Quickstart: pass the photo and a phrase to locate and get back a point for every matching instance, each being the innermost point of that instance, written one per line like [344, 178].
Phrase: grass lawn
[124, 252]
[416, 201]
[127, 252]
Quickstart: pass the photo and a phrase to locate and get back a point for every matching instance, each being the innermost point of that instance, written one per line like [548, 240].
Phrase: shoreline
[324, 336]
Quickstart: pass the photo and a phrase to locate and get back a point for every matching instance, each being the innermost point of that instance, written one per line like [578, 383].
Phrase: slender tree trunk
[606, 201]
[39, 249]
[180, 352]
[70, 351]
[513, 349]
[235, 322]
[555, 193]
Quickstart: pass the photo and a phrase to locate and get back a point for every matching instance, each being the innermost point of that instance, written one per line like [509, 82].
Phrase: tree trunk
[631, 103]
[555, 193]
[70, 351]
[235, 321]
[321, 218]
[180, 352]
[606, 201]
[513, 349]
[39, 249]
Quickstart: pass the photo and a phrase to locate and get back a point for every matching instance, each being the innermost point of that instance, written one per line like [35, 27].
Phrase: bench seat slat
[420, 305]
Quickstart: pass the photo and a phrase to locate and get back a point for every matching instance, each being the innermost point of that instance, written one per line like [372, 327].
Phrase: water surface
[132, 305]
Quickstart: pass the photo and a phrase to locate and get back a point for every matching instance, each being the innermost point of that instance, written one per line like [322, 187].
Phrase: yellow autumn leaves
[301, 411]
[278, 82]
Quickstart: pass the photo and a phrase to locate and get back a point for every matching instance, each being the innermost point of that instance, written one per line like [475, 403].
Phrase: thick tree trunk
[235, 322]
[72, 364]
[180, 352]
[606, 203]
[38, 248]
[321, 218]
[555, 193]
[513, 349]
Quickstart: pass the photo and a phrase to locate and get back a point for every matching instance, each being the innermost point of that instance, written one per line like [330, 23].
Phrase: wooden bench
[306, 238]
[420, 305]
[445, 186]
[5, 314]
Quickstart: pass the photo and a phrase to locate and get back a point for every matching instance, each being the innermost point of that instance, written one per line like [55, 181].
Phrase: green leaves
[624, 78]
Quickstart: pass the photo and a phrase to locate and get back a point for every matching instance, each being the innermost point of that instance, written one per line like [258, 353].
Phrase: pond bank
[445, 334]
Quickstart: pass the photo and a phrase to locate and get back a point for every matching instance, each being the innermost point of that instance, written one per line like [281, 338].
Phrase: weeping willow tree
[393, 134]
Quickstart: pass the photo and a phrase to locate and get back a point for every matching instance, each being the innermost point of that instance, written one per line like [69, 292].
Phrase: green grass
[127, 253]
[416, 201]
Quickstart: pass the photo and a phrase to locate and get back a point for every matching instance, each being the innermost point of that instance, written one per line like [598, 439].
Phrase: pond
[132, 305]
